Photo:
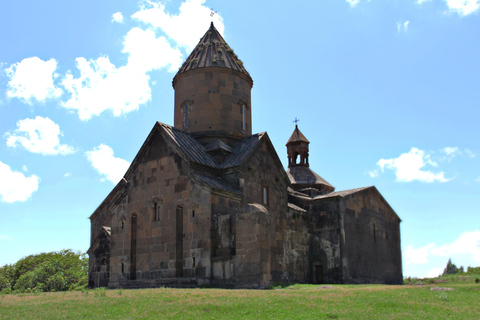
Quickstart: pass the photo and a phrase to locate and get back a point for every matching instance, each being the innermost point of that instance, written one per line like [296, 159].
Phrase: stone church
[208, 203]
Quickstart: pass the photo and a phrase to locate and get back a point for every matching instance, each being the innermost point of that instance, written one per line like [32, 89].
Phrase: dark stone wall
[99, 262]
[371, 250]
[325, 264]
[157, 186]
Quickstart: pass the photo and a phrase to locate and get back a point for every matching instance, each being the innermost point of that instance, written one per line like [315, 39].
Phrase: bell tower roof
[213, 51]
[297, 136]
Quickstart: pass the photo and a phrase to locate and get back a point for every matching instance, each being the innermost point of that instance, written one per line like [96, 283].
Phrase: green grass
[285, 302]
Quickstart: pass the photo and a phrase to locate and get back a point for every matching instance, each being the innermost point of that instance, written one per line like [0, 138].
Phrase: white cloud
[67, 174]
[450, 153]
[102, 86]
[478, 180]
[403, 26]
[435, 272]
[417, 256]
[463, 7]
[185, 28]
[467, 245]
[39, 135]
[117, 17]
[470, 153]
[15, 186]
[102, 159]
[422, 1]
[409, 167]
[32, 78]
[353, 3]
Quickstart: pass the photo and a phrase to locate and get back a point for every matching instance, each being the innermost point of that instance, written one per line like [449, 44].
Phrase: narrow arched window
[186, 116]
[244, 117]
[265, 195]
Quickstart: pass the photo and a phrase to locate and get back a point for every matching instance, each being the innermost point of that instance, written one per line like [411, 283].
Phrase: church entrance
[318, 272]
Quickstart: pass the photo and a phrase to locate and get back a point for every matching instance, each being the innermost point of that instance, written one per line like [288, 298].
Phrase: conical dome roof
[297, 136]
[213, 51]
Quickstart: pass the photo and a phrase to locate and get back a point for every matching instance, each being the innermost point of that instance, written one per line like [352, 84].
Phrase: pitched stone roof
[189, 146]
[218, 144]
[242, 150]
[342, 193]
[296, 208]
[297, 136]
[213, 51]
[305, 175]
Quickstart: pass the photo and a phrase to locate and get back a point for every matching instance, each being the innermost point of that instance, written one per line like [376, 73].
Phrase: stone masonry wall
[372, 251]
[157, 187]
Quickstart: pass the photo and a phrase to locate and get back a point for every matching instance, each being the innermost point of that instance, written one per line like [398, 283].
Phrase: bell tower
[297, 149]
[302, 178]
[212, 93]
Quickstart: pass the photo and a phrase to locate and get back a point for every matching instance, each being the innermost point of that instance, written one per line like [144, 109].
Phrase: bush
[53, 271]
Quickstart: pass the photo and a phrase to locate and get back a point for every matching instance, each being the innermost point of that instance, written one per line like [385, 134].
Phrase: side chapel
[207, 203]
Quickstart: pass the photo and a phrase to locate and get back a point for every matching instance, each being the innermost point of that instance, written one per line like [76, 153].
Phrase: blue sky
[386, 92]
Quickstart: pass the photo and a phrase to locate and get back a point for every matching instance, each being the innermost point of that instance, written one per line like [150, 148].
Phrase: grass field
[292, 302]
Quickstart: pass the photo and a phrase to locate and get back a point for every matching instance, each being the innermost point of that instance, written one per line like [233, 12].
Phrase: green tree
[451, 268]
[54, 271]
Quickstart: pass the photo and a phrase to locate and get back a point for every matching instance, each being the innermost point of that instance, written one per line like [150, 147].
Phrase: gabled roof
[218, 144]
[305, 175]
[297, 136]
[342, 193]
[188, 145]
[104, 231]
[349, 192]
[242, 150]
[213, 51]
[296, 208]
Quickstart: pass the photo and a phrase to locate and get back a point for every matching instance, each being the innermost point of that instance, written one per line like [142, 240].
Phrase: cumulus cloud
[32, 78]
[353, 3]
[422, 1]
[186, 27]
[468, 244]
[109, 166]
[463, 7]
[39, 135]
[410, 166]
[417, 256]
[117, 17]
[15, 186]
[102, 86]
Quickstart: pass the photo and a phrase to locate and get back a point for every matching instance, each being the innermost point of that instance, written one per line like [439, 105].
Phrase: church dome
[213, 93]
